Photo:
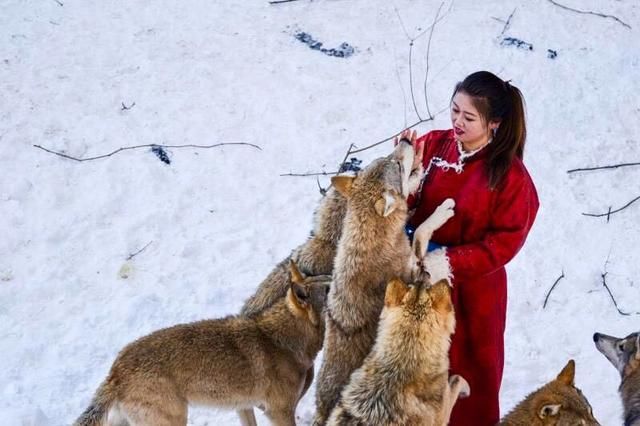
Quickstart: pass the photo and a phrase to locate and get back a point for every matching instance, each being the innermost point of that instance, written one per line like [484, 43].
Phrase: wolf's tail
[96, 413]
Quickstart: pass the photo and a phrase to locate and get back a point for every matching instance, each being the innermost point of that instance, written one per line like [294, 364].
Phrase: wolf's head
[427, 307]
[307, 296]
[623, 353]
[558, 403]
[383, 185]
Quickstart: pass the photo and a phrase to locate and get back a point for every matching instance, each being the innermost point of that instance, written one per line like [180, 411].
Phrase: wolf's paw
[446, 208]
[460, 386]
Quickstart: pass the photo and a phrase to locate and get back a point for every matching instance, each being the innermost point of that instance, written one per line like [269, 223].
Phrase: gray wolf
[624, 354]
[404, 381]
[373, 249]
[234, 362]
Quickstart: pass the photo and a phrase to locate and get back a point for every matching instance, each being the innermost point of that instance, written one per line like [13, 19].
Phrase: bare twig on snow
[613, 166]
[61, 154]
[544, 305]
[587, 12]
[610, 212]
[132, 255]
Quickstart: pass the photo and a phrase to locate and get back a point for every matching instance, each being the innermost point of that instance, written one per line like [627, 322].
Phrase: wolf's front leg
[247, 417]
[457, 387]
[423, 234]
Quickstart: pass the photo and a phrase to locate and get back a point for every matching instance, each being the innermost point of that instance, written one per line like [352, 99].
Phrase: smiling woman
[479, 164]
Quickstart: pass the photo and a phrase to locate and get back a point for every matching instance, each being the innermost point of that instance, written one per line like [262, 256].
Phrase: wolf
[624, 354]
[313, 257]
[559, 402]
[233, 362]
[404, 381]
[372, 249]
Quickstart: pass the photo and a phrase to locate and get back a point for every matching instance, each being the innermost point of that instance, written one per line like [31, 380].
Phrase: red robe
[486, 232]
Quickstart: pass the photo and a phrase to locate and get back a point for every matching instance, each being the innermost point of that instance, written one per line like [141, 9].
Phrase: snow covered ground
[217, 220]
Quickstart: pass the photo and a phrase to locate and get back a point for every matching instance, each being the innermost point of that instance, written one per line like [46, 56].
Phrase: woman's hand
[411, 136]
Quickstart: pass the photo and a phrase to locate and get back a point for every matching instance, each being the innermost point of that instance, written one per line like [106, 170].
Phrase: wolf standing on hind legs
[624, 354]
[234, 362]
[372, 250]
[404, 381]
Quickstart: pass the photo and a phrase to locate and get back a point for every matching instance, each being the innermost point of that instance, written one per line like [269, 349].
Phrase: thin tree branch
[131, 256]
[281, 1]
[544, 305]
[59, 2]
[426, 74]
[613, 166]
[506, 24]
[604, 283]
[310, 174]
[587, 12]
[610, 212]
[61, 154]
[126, 108]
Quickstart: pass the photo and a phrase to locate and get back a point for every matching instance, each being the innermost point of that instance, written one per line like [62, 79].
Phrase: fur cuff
[436, 263]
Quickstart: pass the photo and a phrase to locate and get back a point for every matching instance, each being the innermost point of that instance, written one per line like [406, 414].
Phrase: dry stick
[604, 283]
[126, 108]
[613, 166]
[59, 2]
[281, 1]
[506, 25]
[143, 146]
[610, 212]
[131, 256]
[544, 305]
[587, 12]
[426, 73]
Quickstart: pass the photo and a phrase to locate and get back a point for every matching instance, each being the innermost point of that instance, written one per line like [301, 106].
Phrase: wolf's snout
[596, 337]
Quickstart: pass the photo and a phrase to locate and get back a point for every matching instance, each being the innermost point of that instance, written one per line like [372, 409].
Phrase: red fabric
[487, 230]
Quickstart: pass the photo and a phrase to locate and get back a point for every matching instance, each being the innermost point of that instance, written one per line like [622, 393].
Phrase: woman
[478, 163]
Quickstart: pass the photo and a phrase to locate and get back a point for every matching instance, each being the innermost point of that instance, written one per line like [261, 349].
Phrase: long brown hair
[498, 100]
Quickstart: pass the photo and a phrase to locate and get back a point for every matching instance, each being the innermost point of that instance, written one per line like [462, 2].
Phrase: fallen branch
[613, 166]
[610, 212]
[281, 1]
[544, 305]
[61, 154]
[310, 174]
[507, 23]
[126, 108]
[59, 2]
[131, 256]
[587, 12]
[604, 283]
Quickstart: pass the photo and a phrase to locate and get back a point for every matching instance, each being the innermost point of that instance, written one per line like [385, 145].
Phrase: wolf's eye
[621, 347]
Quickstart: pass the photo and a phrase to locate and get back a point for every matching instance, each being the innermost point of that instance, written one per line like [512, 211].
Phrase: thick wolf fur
[233, 362]
[404, 381]
[372, 250]
[624, 354]
[559, 402]
[314, 257]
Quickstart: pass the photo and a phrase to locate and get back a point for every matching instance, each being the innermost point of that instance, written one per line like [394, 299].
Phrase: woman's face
[469, 126]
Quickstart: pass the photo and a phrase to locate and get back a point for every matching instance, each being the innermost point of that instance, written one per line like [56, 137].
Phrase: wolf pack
[361, 292]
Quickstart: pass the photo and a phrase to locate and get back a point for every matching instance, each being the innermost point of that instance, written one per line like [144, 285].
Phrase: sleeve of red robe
[512, 216]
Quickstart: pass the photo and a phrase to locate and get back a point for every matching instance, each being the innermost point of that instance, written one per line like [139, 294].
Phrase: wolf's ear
[299, 295]
[395, 292]
[568, 373]
[296, 275]
[638, 346]
[549, 410]
[386, 204]
[343, 184]
[441, 295]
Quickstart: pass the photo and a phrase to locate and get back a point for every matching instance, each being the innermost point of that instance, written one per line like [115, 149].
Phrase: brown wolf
[558, 402]
[624, 354]
[372, 250]
[313, 257]
[231, 362]
[404, 380]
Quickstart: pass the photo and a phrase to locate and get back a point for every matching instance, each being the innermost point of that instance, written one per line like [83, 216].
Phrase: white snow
[205, 72]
